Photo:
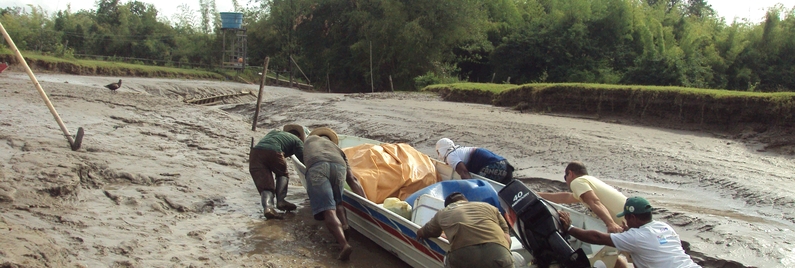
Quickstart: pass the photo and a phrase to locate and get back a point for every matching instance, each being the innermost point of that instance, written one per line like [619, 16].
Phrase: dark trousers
[262, 164]
[486, 255]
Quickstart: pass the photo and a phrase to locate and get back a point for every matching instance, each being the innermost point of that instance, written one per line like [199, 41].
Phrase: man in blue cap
[650, 243]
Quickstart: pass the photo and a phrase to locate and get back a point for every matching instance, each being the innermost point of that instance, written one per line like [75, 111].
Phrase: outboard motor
[538, 226]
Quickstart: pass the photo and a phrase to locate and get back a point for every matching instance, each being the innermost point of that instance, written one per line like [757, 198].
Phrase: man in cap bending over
[478, 234]
[267, 158]
[327, 167]
[650, 243]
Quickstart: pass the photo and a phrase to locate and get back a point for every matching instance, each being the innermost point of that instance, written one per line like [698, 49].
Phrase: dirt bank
[163, 183]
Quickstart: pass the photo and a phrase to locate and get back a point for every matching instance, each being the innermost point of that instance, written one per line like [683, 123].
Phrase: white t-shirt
[653, 245]
[461, 154]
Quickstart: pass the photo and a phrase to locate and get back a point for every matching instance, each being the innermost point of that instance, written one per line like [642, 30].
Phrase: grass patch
[724, 108]
[109, 68]
[493, 88]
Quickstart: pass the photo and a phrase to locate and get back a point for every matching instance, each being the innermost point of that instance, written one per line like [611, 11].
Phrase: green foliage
[431, 78]
[351, 43]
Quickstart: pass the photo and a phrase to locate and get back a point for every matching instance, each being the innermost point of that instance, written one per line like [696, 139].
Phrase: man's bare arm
[354, 183]
[587, 236]
[560, 197]
[601, 211]
[462, 171]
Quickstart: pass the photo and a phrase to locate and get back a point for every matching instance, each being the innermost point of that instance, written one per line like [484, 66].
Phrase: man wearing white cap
[474, 159]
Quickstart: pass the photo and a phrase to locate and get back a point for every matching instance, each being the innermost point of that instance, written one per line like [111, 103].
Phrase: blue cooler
[473, 189]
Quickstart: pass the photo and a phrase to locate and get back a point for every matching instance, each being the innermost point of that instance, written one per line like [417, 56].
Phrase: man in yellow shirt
[477, 232]
[603, 200]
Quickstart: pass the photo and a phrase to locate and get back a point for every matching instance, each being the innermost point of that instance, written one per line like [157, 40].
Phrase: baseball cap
[635, 205]
[450, 198]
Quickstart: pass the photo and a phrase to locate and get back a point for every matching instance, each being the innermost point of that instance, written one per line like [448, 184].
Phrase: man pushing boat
[327, 167]
[267, 158]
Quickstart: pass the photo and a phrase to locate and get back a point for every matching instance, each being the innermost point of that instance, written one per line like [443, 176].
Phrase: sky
[754, 10]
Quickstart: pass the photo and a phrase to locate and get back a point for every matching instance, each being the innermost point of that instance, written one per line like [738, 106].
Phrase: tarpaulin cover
[390, 170]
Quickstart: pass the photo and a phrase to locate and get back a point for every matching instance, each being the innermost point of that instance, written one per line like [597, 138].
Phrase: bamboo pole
[259, 95]
[73, 143]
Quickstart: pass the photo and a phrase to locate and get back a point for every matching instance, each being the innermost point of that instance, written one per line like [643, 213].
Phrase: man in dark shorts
[327, 166]
[478, 234]
[267, 158]
[474, 159]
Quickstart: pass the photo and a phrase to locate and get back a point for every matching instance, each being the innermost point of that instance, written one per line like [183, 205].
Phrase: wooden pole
[302, 71]
[259, 95]
[372, 87]
[391, 86]
[73, 143]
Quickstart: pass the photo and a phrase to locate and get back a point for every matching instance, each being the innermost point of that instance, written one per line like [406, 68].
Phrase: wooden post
[328, 83]
[391, 86]
[492, 77]
[259, 96]
[290, 70]
[302, 71]
[372, 87]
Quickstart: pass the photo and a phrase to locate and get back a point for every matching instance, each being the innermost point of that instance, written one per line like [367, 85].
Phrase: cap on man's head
[635, 205]
[443, 146]
[295, 129]
[452, 198]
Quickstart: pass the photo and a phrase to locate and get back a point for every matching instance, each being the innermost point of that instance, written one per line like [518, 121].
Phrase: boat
[396, 233]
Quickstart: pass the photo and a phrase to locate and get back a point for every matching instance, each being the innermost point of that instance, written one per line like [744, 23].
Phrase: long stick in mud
[259, 95]
[73, 143]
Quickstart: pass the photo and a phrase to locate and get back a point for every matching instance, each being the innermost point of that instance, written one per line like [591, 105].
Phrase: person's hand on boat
[615, 228]
[565, 220]
[419, 237]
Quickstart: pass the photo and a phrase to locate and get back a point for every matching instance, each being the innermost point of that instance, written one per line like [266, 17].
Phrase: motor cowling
[538, 227]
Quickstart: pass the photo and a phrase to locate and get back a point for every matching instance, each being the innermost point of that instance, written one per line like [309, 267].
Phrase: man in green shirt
[267, 158]
[477, 232]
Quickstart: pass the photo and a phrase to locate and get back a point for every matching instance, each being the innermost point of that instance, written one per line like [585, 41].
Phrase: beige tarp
[390, 170]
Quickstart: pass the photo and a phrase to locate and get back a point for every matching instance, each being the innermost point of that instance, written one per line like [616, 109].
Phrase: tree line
[351, 45]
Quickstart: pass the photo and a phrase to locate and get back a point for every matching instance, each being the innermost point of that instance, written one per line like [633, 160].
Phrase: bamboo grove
[346, 44]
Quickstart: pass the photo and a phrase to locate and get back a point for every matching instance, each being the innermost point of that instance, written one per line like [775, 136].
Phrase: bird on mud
[114, 86]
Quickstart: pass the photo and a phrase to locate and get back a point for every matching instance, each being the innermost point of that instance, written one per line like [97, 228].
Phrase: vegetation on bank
[722, 108]
[109, 68]
[71, 65]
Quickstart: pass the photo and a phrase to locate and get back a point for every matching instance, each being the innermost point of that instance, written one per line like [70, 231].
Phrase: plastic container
[231, 20]
[425, 207]
[473, 189]
[399, 207]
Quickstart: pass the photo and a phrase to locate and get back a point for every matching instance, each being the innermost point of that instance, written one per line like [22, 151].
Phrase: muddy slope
[162, 183]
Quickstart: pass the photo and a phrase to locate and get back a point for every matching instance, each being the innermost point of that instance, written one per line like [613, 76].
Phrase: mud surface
[162, 183]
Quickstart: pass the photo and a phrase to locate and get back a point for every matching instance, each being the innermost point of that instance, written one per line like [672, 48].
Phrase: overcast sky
[752, 9]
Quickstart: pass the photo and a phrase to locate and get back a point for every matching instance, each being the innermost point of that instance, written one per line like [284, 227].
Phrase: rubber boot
[281, 193]
[267, 205]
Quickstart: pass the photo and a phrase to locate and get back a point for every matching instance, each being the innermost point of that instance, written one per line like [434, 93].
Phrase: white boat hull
[397, 234]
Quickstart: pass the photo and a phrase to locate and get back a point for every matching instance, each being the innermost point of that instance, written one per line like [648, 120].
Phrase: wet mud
[159, 182]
